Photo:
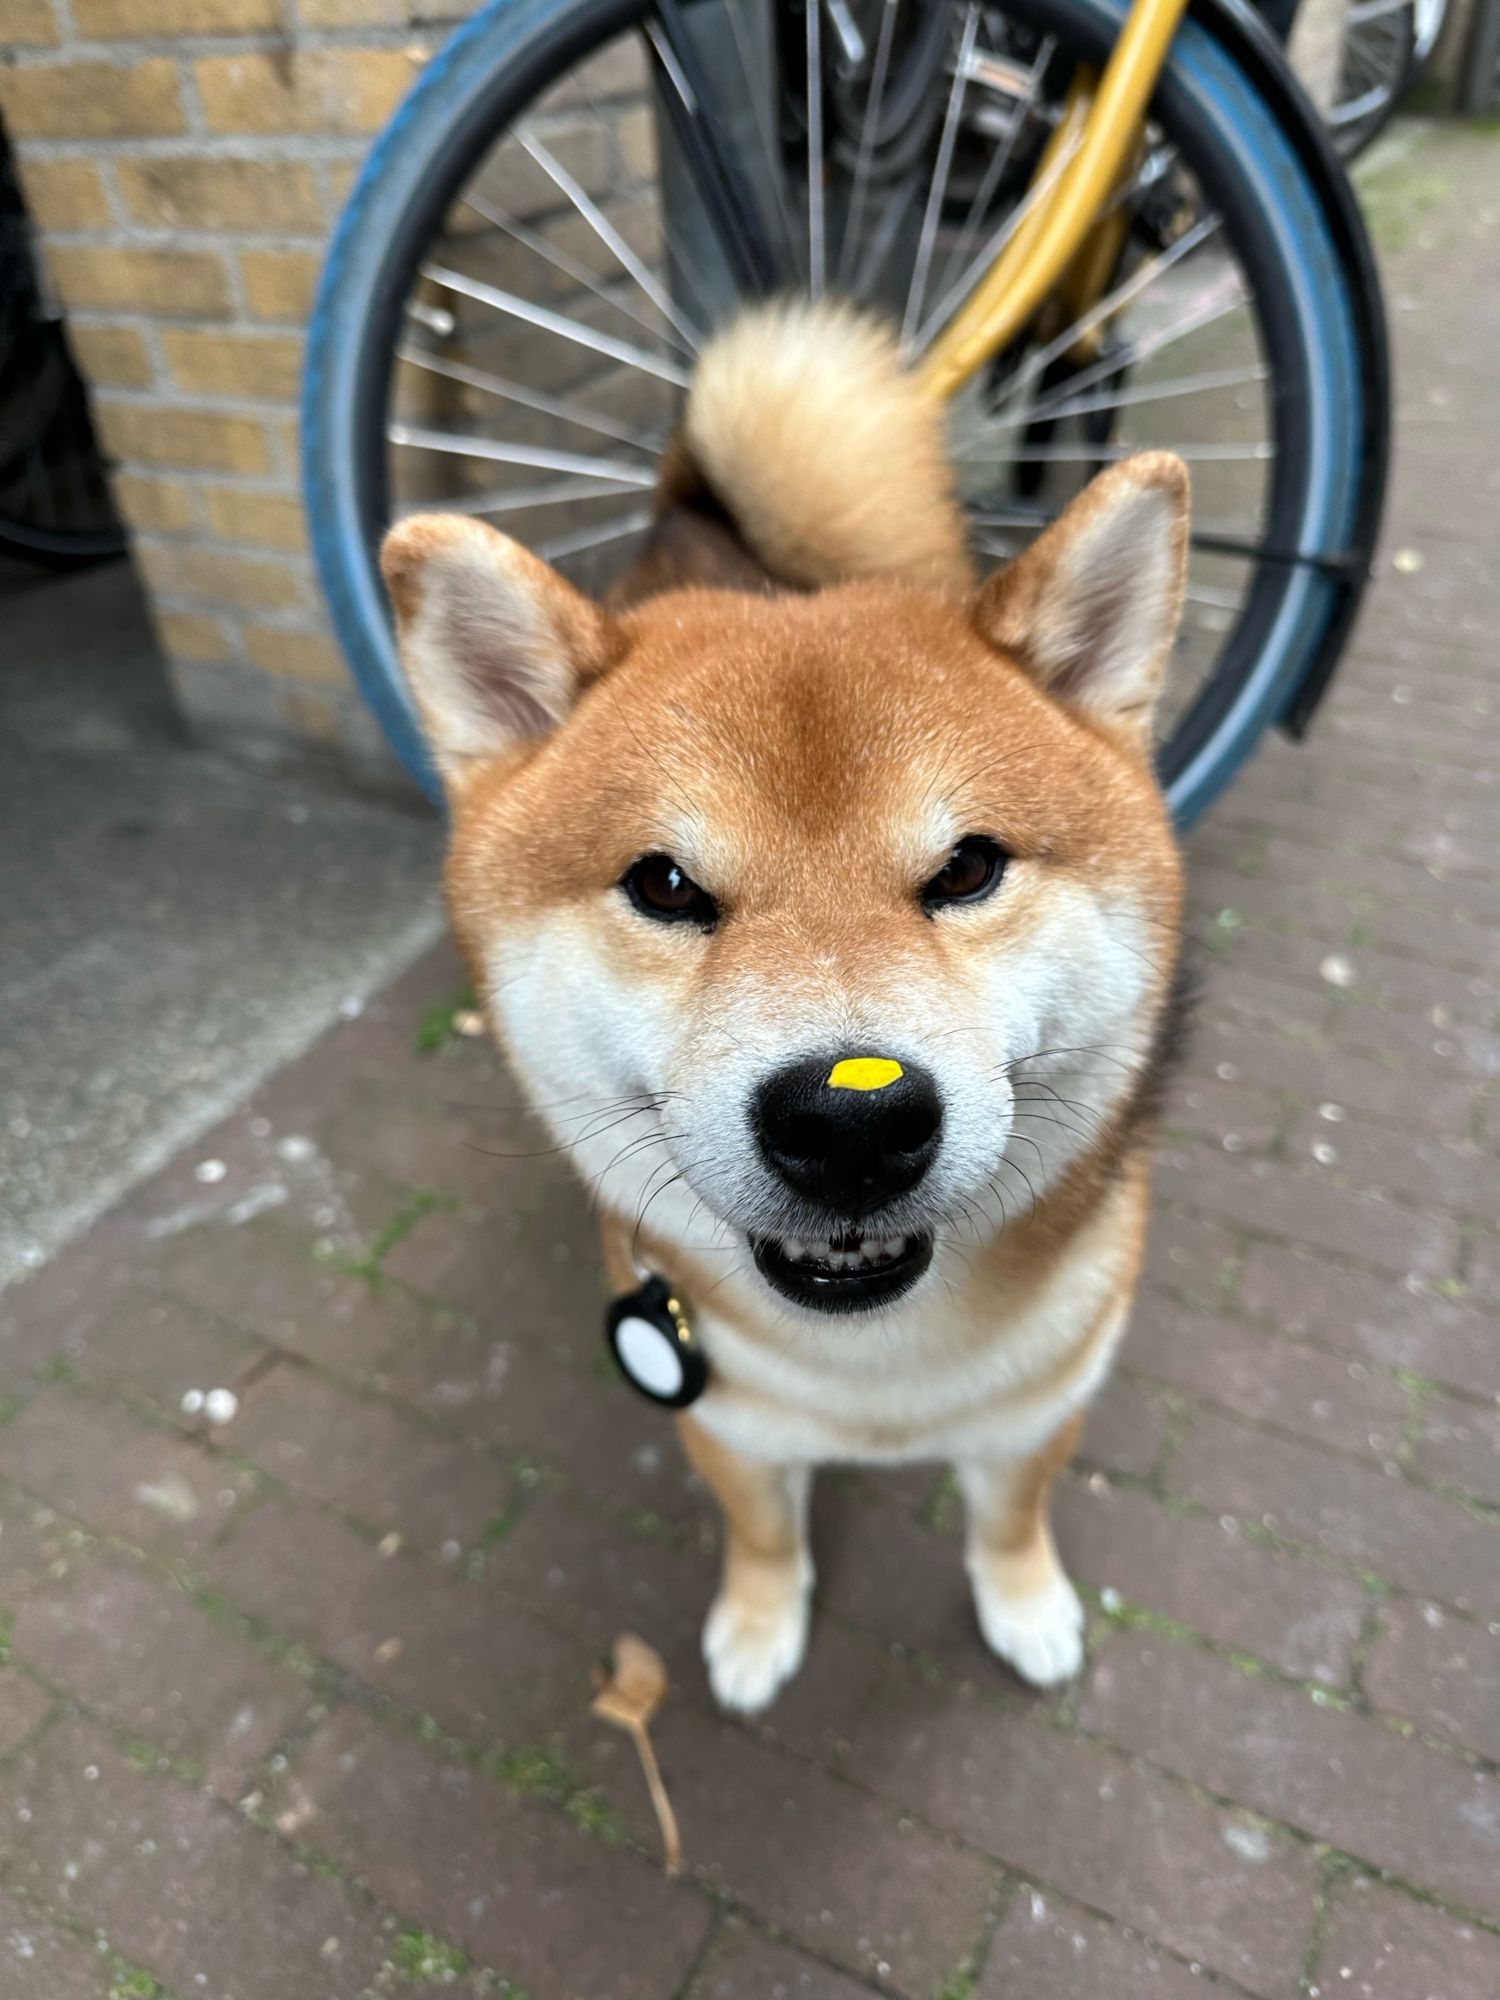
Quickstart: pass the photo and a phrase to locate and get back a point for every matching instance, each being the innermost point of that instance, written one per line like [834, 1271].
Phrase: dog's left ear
[1091, 608]
[496, 646]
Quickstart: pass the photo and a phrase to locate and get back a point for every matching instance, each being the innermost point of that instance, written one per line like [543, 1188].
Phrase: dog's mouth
[850, 1272]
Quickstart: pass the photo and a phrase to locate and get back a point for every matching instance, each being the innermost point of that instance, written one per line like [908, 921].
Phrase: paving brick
[1458, 1444]
[1399, 1323]
[155, 1349]
[138, 1651]
[1189, 1256]
[204, 440]
[366, 1458]
[1448, 1173]
[1382, 1945]
[1321, 1073]
[256, 366]
[113, 355]
[1075, 1817]
[835, 1870]
[545, 1905]
[1127, 1423]
[1049, 1949]
[1330, 1399]
[93, 1462]
[587, 1428]
[128, 20]
[178, 1881]
[742, 1966]
[40, 1962]
[479, 1662]
[1382, 1522]
[1329, 1772]
[23, 1705]
[269, 1282]
[1269, 1199]
[65, 194]
[1204, 1573]
[1439, 1671]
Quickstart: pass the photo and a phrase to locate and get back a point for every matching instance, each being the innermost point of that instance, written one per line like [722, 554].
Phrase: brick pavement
[297, 1706]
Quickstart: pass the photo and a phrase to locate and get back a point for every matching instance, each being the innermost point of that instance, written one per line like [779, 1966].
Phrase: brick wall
[184, 161]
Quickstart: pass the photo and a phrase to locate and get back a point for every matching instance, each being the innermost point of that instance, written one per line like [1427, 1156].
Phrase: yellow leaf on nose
[863, 1073]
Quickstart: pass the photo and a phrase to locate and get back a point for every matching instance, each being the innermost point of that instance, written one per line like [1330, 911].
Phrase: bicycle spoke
[612, 240]
[504, 451]
[757, 90]
[1123, 294]
[941, 172]
[1066, 404]
[561, 324]
[868, 126]
[593, 538]
[561, 260]
[1086, 453]
[816, 193]
[529, 399]
[516, 500]
[958, 294]
[1001, 158]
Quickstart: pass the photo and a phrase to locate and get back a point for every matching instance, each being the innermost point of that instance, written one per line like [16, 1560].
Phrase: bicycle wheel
[577, 190]
[1377, 66]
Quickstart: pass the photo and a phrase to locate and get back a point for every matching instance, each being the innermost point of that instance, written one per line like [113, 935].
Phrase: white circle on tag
[649, 1356]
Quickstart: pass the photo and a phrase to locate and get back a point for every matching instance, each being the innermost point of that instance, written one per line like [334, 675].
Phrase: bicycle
[1099, 230]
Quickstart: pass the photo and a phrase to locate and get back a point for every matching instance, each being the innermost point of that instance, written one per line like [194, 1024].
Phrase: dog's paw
[752, 1651]
[1040, 1635]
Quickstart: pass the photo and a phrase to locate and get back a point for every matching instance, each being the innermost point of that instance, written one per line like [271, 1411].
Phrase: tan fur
[811, 759]
[829, 457]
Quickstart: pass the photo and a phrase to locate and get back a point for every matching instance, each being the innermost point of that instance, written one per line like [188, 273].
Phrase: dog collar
[649, 1336]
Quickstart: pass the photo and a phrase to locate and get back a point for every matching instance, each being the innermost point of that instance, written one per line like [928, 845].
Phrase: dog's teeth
[869, 1249]
[893, 1245]
[794, 1248]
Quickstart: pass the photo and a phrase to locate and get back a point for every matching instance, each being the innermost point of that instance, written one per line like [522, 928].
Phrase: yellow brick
[176, 284]
[262, 365]
[262, 195]
[200, 439]
[129, 20]
[303, 656]
[155, 506]
[245, 582]
[317, 91]
[27, 24]
[65, 194]
[281, 284]
[190, 636]
[352, 13]
[264, 520]
[114, 355]
[92, 100]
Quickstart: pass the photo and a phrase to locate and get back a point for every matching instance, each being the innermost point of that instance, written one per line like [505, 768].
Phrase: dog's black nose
[850, 1132]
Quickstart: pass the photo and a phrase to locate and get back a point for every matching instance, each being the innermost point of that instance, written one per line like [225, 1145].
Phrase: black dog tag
[649, 1336]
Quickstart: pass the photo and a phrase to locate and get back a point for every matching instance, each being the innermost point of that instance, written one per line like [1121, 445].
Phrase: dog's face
[828, 930]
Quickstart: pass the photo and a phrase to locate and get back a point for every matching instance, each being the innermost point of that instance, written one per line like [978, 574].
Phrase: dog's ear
[1091, 608]
[496, 646]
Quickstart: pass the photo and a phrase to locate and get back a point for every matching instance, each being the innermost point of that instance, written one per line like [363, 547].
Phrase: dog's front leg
[756, 1632]
[1028, 1611]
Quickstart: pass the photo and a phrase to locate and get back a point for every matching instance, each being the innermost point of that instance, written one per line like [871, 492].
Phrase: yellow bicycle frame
[1084, 159]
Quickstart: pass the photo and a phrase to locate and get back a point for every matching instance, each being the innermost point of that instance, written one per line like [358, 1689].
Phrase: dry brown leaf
[629, 1696]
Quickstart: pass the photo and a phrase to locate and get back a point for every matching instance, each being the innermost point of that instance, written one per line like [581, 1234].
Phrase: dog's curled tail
[823, 450]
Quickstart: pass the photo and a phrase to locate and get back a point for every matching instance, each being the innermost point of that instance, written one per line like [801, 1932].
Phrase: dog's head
[833, 930]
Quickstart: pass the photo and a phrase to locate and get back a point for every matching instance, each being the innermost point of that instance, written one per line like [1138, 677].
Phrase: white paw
[1041, 1635]
[751, 1653]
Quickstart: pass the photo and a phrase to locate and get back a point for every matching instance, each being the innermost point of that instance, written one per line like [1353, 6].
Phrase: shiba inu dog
[825, 901]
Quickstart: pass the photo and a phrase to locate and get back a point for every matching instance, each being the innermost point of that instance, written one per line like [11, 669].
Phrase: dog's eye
[969, 874]
[660, 889]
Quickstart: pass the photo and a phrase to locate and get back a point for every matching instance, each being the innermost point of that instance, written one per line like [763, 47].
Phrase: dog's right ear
[496, 645]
